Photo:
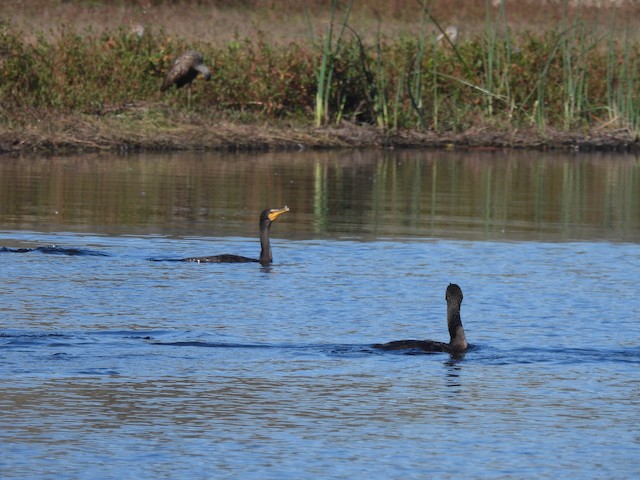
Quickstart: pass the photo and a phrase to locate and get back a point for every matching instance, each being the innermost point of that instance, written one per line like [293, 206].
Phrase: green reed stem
[325, 71]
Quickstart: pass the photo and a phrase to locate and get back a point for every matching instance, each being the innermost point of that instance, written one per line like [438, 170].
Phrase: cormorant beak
[276, 212]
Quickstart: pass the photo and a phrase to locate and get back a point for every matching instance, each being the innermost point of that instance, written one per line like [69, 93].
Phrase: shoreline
[93, 135]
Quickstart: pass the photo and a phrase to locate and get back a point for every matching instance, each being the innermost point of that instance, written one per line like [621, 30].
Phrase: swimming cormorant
[266, 217]
[458, 342]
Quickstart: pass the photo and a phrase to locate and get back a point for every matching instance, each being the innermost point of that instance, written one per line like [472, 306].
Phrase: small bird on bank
[448, 37]
[184, 70]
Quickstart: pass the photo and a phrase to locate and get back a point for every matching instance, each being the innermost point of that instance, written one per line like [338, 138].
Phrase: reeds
[565, 79]
[330, 50]
[623, 85]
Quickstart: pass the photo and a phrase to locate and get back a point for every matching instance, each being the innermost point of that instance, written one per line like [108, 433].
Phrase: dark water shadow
[327, 349]
[557, 355]
[56, 250]
[21, 339]
[478, 353]
[483, 354]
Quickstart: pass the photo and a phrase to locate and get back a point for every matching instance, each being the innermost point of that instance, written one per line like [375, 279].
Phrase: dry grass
[219, 21]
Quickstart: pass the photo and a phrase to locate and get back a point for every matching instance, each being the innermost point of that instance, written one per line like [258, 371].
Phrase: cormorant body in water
[458, 342]
[266, 218]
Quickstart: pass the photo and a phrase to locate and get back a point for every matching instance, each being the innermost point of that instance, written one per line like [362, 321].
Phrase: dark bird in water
[184, 70]
[266, 218]
[458, 342]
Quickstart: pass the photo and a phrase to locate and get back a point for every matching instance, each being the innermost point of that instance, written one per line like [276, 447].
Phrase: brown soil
[91, 134]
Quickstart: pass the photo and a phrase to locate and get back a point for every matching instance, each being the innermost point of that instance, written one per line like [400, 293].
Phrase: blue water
[117, 367]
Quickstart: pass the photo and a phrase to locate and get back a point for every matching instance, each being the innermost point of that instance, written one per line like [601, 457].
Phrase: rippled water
[117, 367]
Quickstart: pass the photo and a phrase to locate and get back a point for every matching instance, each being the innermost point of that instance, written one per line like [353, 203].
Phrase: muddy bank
[74, 134]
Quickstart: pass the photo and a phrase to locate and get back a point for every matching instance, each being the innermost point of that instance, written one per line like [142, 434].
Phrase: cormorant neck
[265, 244]
[458, 340]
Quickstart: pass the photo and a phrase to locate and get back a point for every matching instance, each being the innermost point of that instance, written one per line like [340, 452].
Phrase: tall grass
[330, 50]
[415, 72]
[623, 85]
[564, 79]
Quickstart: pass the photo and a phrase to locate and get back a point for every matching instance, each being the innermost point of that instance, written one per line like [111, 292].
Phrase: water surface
[118, 367]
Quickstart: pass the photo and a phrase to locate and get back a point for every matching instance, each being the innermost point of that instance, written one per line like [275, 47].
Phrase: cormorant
[266, 217]
[458, 342]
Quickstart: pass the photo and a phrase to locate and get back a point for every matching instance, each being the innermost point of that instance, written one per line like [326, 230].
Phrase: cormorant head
[270, 214]
[454, 293]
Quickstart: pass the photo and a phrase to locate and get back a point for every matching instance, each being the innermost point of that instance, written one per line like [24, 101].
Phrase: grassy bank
[568, 85]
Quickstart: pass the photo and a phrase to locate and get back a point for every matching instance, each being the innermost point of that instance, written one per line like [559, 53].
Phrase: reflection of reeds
[380, 192]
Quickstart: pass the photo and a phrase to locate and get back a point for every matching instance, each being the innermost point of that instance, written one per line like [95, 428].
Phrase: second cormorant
[458, 342]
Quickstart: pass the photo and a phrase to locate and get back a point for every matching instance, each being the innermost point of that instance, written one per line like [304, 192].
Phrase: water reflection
[478, 195]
